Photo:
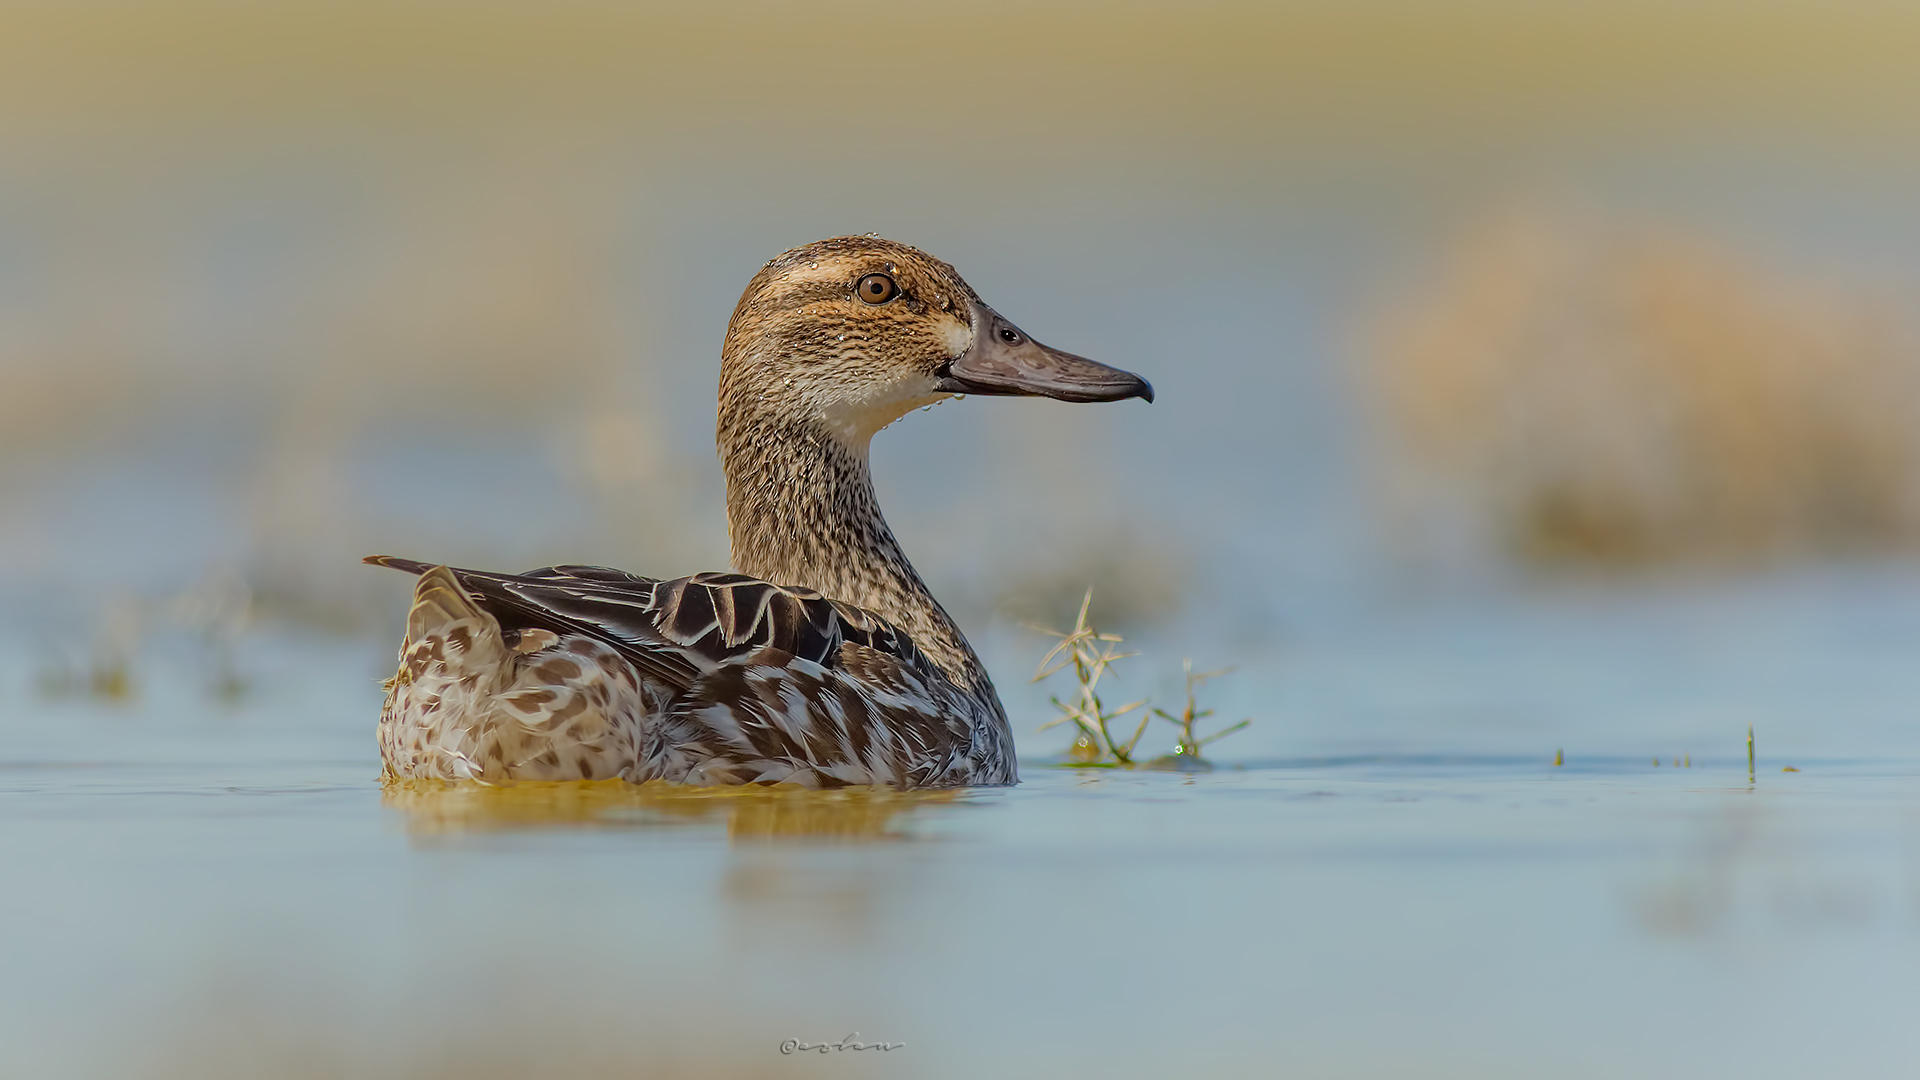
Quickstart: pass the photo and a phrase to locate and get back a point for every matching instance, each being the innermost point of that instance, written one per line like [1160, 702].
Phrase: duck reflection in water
[858, 814]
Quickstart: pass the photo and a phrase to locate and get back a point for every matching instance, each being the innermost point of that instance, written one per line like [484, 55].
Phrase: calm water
[1385, 877]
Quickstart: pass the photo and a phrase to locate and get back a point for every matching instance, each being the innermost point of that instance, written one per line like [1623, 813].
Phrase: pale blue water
[1386, 877]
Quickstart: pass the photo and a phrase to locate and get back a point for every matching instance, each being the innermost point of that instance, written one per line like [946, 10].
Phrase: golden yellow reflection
[751, 813]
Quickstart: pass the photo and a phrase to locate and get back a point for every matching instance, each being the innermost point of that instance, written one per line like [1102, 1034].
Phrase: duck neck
[801, 511]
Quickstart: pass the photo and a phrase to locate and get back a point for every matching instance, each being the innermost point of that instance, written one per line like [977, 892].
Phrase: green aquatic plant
[1186, 752]
[1090, 655]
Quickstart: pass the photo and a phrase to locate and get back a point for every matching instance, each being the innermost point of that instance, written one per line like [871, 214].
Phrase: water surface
[225, 889]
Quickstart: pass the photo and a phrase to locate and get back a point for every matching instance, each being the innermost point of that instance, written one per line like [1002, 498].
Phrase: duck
[821, 659]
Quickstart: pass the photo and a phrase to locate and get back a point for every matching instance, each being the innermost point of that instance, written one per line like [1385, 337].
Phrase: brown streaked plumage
[824, 661]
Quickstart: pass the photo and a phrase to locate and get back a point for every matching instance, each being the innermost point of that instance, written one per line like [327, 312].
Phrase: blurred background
[1531, 374]
[1433, 290]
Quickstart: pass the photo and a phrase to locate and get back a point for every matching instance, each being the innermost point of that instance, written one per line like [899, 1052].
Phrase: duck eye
[876, 289]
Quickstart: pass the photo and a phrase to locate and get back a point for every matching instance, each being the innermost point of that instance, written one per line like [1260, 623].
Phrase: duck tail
[394, 562]
[447, 629]
[439, 720]
[438, 603]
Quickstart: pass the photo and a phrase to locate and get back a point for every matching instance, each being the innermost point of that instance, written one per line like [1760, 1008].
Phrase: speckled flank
[464, 705]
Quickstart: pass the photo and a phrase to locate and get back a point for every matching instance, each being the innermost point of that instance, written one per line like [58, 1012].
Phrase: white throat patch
[854, 420]
[959, 339]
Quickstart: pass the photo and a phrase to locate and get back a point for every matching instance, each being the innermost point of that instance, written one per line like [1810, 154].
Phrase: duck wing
[680, 629]
[769, 717]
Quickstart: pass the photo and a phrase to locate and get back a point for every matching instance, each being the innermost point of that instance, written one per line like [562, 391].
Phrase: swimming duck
[822, 660]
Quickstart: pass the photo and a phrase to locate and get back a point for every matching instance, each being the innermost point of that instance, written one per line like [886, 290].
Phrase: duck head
[854, 332]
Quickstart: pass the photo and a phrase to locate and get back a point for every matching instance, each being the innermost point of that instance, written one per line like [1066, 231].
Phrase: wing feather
[770, 712]
[678, 630]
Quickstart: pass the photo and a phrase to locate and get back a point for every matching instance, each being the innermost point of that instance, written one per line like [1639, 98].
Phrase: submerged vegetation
[1090, 655]
[1684, 761]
